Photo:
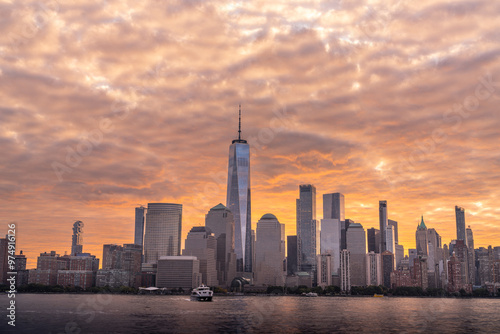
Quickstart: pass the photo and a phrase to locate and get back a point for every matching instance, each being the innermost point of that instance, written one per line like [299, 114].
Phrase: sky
[107, 105]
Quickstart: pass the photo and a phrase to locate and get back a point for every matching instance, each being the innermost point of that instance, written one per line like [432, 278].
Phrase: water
[52, 313]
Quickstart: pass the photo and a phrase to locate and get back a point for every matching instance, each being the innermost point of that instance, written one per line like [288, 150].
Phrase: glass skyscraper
[383, 220]
[307, 228]
[460, 216]
[163, 231]
[139, 225]
[239, 199]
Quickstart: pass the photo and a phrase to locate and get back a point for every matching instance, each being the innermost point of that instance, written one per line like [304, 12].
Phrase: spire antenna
[239, 127]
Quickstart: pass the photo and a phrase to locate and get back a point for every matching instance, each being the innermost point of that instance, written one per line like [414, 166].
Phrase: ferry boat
[202, 293]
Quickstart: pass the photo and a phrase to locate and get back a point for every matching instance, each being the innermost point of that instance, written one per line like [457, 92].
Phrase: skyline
[348, 98]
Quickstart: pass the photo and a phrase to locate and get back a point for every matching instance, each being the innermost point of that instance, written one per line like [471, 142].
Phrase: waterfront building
[345, 271]
[270, 251]
[81, 272]
[220, 220]
[334, 208]
[121, 266]
[201, 242]
[163, 231]
[4, 260]
[175, 272]
[239, 200]
[420, 272]
[22, 276]
[307, 229]
[470, 254]
[344, 225]
[77, 238]
[47, 267]
[324, 267]
[356, 245]
[421, 238]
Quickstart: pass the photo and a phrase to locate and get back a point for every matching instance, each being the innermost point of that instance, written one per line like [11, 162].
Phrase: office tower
[412, 254]
[471, 258]
[239, 200]
[460, 218]
[394, 225]
[201, 242]
[356, 245]
[176, 272]
[484, 265]
[387, 259]
[139, 225]
[454, 275]
[345, 271]
[421, 238]
[462, 254]
[77, 239]
[330, 242]
[373, 267]
[270, 251]
[399, 255]
[390, 239]
[324, 267]
[420, 272]
[344, 226]
[307, 228]
[163, 231]
[291, 255]
[373, 240]
[220, 221]
[333, 206]
[383, 221]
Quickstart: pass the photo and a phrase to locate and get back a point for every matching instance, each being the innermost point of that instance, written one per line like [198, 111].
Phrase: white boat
[311, 294]
[202, 293]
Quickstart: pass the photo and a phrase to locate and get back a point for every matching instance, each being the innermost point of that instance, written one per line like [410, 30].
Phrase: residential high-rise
[387, 267]
[77, 239]
[460, 218]
[383, 221]
[270, 251]
[344, 226]
[390, 239]
[373, 240]
[324, 268]
[345, 271]
[356, 245]
[220, 221]
[330, 242]
[373, 268]
[201, 242]
[334, 206]
[394, 225]
[307, 229]
[4, 257]
[163, 231]
[139, 225]
[239, 200]
[471, 258]
[291, 254]
[421, 238]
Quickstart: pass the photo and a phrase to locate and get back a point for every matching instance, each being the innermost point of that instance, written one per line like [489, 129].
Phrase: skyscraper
[330, 242]
[239, 200]
[356, 245]
[460, 217]
[394, 225]
[333, 206]
[471, 258]
[373, 240]
[77, 239]
[373, 267]
[139, 225]
[163, 231]
[345, 271]
[307, 229]
[421, 238]
[201, 242]
[220, 221]
[383, 221]
[270, 251]
[387, 267]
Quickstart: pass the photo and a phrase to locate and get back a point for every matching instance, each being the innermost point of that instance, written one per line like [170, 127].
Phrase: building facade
[77, 238]
[307, 228]
[201, 242]
[356, 245]
[460, 220]
[175, 272]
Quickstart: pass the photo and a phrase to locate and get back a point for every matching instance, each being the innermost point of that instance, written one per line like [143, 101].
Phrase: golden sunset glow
[106, 105]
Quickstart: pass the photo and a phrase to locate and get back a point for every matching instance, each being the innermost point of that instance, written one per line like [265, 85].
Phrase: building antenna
[239, 127]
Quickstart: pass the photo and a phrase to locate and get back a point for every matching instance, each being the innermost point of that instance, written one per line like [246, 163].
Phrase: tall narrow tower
[77, 239]
[384, 221]
[239, 200]
[460, 218]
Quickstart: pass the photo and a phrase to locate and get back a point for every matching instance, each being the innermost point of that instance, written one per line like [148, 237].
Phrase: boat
[202, 294]
[311, 294]
[377, 295]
